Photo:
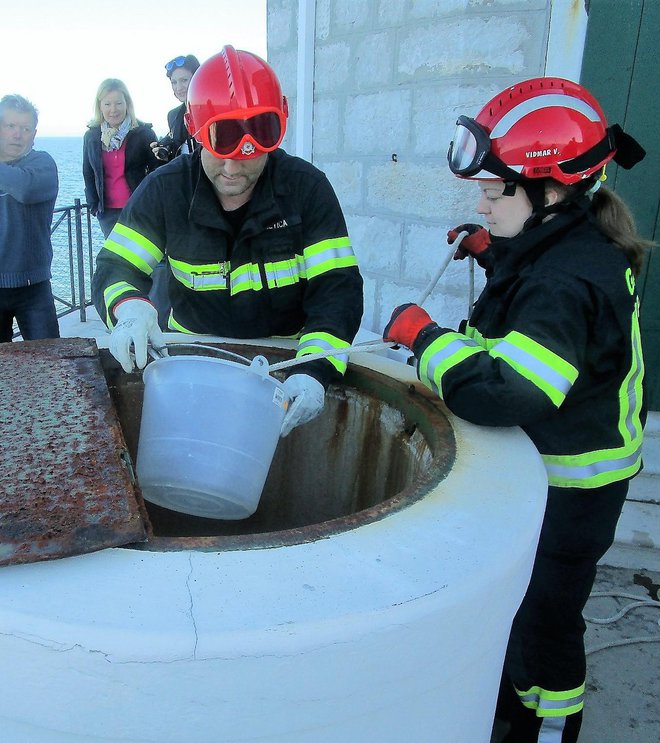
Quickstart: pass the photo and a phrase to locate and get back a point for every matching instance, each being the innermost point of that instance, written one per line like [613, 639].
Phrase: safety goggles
[243, 134]
[176, 62]
[470, 152]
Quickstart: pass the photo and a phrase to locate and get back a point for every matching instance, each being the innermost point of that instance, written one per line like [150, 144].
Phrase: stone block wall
[390, 79]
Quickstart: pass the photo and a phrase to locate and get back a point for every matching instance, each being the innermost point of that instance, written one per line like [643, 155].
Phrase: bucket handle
[212, 349]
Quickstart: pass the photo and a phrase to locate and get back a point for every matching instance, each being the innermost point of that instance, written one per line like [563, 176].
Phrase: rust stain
[64, 487]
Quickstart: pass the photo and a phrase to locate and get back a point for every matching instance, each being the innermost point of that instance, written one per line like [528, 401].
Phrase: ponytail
[612, 216]
[616, 221]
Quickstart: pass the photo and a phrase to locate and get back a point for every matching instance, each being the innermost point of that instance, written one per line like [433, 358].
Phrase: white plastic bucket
[208, 434]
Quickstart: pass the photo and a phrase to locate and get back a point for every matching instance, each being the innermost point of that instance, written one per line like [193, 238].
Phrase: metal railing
[76, 220]
[72, 235]
[73, 232]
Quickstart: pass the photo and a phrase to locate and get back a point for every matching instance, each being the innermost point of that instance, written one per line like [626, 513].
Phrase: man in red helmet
[255, 239]
[553, 346]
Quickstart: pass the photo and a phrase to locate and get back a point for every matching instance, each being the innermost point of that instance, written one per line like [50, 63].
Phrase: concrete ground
[623, 683]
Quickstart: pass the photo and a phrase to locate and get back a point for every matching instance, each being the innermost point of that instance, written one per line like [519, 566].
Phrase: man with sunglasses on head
[255, 239]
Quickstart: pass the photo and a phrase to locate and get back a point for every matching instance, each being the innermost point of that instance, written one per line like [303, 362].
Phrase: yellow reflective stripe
[173, 324]
[315, 342]
[286, 272]
[475, 335]
[112, 294]
[327, 255]
[630, 392]
[443, 354]
[553, 703]
[595, 468]
[200, 277]
[604, 466]
[134, 248]
[244, 278]
[549, 372]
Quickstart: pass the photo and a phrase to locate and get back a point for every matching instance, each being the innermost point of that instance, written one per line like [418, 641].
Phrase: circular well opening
[378, 446]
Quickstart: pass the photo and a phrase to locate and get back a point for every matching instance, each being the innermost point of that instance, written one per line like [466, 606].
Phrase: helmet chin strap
[535, 190]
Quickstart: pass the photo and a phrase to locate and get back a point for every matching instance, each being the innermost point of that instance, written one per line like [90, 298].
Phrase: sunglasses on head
[230, 137]
[176, 62]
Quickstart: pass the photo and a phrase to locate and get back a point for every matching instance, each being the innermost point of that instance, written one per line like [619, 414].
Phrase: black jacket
[178, 132]
[290, 270]
[552, 345]
[139, 161]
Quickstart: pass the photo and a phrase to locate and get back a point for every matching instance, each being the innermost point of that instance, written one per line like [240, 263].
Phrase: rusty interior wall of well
[376, 442]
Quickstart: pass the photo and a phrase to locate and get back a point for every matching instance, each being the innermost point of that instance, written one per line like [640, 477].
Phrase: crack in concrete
[191, 607]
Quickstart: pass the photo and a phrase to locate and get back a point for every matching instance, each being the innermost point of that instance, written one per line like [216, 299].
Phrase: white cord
[441, 268]
[636, 603]
[360, 347]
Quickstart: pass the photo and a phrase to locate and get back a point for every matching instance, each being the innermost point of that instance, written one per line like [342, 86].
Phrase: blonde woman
[116, 153]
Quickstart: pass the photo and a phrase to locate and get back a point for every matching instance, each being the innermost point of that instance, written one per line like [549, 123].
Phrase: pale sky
[57, 52]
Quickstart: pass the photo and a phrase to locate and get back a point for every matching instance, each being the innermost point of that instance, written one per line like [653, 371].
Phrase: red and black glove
[406, 323]
[474, 243]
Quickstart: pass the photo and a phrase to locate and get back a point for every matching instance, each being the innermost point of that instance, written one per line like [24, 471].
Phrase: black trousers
[33, 308]
[546, 645]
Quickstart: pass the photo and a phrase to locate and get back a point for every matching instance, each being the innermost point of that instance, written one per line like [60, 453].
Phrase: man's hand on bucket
[307, 399]
[137, 327]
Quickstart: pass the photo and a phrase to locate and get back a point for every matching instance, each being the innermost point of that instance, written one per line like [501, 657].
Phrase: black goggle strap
[495, 166]
[628, 152]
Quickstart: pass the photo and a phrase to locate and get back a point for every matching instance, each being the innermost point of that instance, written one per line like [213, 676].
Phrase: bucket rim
[199, 358]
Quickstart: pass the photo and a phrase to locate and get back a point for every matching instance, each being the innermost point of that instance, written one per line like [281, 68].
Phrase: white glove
[137, 326]
[307, 399]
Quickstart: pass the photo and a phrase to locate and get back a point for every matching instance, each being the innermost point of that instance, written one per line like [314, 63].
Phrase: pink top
[115, 187]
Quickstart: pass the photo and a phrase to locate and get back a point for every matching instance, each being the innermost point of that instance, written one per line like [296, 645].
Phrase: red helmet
[546, 127]
[235, 106]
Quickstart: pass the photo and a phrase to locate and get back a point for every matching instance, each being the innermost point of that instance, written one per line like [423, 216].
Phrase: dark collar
[513, 253]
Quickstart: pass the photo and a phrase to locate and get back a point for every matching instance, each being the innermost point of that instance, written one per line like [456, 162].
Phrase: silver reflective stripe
[439, 357]
[541, 702]
[317, 343]
[634, 384]
[534, 364]
[287, 272]
[552, 729]
[215, 279]
[133, 247]
[538, 103]
[245, 277]
[584, 472]
[327, 255]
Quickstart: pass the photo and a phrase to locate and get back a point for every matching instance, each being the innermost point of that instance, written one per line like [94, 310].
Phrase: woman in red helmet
[553, 346]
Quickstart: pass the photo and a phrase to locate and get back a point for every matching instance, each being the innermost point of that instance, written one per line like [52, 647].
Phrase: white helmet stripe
[486, 175]
[537, 103]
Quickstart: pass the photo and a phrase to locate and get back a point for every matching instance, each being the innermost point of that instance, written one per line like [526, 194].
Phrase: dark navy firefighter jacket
[290, 270]
[553, 345]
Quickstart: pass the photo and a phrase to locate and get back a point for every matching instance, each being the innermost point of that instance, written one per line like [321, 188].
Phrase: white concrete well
[370, 600]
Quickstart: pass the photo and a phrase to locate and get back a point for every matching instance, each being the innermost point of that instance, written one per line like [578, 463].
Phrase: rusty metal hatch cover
[66, 485]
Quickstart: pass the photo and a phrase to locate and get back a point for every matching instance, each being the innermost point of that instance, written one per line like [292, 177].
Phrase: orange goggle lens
[227, 138]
